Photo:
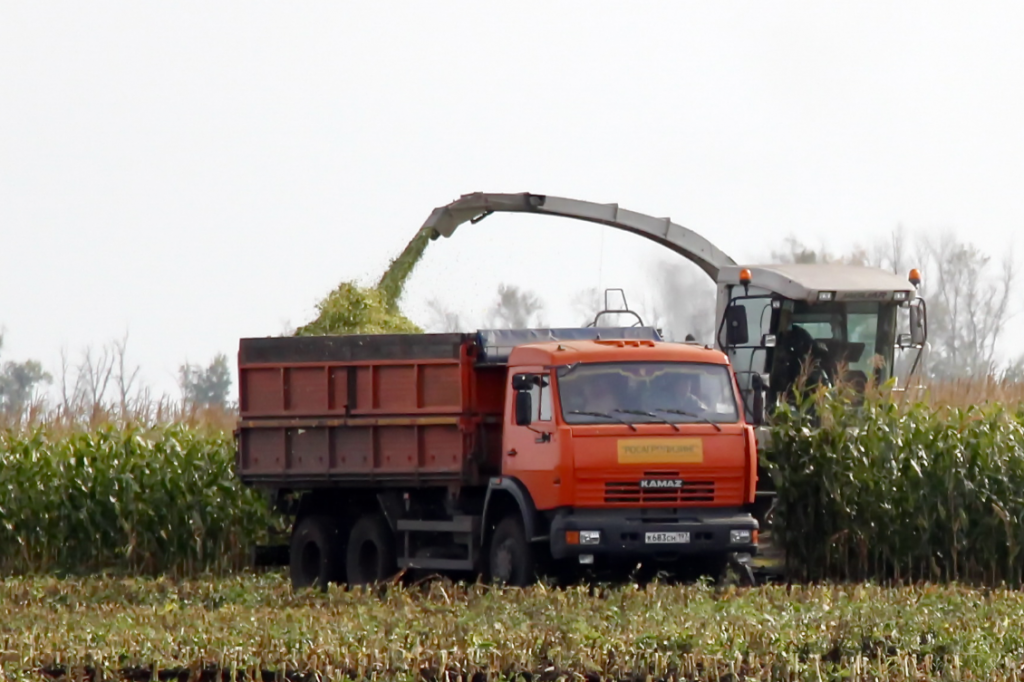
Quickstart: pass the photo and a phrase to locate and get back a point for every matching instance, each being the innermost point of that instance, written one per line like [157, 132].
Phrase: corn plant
[893, 491]
[131, 498]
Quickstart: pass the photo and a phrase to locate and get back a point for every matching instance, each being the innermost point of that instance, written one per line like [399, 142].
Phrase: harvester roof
[803, 281]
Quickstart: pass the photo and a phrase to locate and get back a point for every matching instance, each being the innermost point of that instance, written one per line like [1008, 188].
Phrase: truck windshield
[647, 392]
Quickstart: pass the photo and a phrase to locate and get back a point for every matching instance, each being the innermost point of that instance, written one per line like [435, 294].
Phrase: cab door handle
[512, 452]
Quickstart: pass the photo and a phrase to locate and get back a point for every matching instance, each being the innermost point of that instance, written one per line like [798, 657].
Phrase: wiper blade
[689, 414]
[565, 370]
[651, 415]
[605, 415]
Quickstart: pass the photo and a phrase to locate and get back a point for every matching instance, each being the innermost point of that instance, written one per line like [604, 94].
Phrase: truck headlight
[740, 537]
[590, 537]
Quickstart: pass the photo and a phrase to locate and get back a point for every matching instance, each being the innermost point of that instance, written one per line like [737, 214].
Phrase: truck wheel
[371, 551]
[511, 559]
[317, 552]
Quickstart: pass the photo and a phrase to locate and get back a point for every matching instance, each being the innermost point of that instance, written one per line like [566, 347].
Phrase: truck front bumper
[653, 533]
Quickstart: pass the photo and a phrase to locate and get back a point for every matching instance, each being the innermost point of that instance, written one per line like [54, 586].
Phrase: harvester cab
[783, 325]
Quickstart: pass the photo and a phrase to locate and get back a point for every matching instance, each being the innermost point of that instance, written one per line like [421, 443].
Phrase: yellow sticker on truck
[661, 450]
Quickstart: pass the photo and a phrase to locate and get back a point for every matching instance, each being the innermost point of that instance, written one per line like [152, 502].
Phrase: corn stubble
[256, 626]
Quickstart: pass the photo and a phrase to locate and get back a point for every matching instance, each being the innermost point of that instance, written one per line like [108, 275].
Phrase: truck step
[459, 524]
[437, 564]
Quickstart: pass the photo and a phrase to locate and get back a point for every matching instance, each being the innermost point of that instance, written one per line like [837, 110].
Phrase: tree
[586, 304]
[686, 299]
[209, 386]
[18, 383]
[442, 319]
[968, 306]
[516, 309]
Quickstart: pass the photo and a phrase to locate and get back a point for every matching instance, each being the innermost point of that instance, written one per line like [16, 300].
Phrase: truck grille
[630, 492]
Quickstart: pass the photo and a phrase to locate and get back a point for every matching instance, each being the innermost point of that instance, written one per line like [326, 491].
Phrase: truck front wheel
[317, 552]
[371, 551]
[511, 559]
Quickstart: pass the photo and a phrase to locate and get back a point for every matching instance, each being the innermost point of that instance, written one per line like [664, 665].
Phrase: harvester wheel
[511, 561]
[371, 551]
[317, 552]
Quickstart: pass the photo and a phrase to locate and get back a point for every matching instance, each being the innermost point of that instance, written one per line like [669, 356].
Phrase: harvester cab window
[847, 338]
[753, 356]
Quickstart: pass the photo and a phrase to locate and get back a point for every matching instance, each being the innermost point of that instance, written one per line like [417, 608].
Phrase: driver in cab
[606, 393]
[679, 391]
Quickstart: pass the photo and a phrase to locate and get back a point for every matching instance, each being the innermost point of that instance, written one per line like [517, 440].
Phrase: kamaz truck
[502, 453]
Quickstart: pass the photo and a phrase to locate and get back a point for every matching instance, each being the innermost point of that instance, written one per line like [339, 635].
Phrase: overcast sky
[196, 172]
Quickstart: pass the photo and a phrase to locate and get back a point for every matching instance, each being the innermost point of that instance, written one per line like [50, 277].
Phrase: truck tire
[510, 557]
[317, 552]
[371, 551]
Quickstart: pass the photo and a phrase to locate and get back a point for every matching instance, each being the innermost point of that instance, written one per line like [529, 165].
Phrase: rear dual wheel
[323, 552]
[317, 553]
[370, 557]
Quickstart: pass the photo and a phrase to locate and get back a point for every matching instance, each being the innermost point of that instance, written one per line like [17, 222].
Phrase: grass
[251, 624]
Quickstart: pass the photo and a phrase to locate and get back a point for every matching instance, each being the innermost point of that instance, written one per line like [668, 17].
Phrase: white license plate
[666, 538]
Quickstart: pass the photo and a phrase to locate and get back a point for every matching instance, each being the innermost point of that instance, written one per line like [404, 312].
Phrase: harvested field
[243, 626]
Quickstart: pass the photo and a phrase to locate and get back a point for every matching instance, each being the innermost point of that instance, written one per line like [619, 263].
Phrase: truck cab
[630, 450]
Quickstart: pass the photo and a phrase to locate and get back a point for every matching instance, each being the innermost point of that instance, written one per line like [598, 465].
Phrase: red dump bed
[357, 410]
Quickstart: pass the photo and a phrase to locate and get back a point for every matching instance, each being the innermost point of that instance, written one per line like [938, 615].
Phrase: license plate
[666, 538]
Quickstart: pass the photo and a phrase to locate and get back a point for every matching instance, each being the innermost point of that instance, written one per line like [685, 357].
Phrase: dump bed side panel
[366, 410]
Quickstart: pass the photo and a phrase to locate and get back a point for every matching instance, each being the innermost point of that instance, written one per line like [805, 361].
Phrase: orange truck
[499, 452]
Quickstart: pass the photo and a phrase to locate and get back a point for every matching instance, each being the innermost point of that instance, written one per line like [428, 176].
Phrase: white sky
[195, 172]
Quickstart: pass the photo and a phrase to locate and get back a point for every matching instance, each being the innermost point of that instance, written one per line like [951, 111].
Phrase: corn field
[128, 498]
[900, 491]
[257, 628]
[887, 491]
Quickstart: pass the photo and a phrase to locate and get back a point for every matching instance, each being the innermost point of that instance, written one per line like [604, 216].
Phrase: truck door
[531, 452]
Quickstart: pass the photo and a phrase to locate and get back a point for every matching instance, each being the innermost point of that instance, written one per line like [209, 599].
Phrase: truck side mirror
[918, 323]
[736, 325]
[757, 388]
[524, 408]
[522, 382]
